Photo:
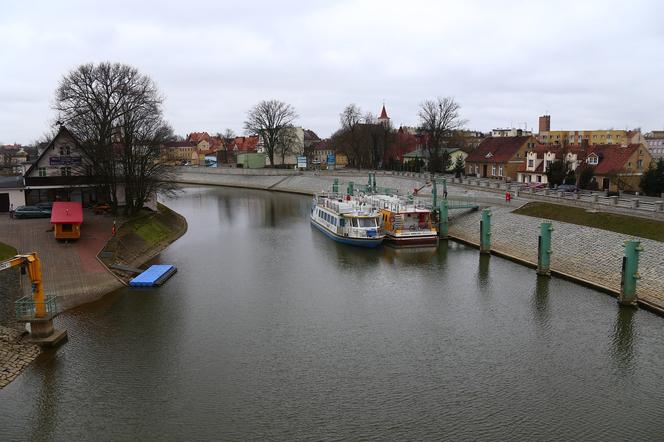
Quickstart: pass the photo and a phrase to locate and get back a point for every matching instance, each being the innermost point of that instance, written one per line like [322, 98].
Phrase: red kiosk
[67, 218]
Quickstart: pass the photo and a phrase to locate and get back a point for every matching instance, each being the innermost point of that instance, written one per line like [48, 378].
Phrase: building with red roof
[499, 157]
[67, 218]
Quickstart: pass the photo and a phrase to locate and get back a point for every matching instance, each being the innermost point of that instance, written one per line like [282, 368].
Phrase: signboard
[331, 159]
[64, 160]
[301, 162]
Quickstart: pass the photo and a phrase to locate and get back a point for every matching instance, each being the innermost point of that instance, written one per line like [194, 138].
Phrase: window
[42, 171]
[67, 228]
[500, 170]
[592, 159]
[639, 164]
[493, 170]
[531, 163]
[65, 171]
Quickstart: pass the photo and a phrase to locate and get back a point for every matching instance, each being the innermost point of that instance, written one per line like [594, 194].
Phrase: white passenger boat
[346, 220]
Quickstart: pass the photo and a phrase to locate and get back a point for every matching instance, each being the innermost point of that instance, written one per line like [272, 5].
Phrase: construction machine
[37, 310]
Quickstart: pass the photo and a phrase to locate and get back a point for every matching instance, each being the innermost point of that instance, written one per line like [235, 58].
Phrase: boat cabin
[67, 218]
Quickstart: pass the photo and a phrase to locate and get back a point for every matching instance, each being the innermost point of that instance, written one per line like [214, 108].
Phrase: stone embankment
[584, 254]
[15, 355]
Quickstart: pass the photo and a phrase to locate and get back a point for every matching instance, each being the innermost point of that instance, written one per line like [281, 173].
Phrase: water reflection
[483, 277]
[541, 300]
[622, 345]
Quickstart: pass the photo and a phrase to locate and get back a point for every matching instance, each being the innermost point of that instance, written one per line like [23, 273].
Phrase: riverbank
[142, 238]
[583, 254]
[72, 271]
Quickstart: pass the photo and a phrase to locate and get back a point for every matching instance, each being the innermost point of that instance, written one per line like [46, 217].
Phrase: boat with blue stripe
[346, 220]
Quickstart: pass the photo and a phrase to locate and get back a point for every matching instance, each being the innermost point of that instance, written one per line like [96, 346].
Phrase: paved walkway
[14, 355]
[70, 270]
[582, 252]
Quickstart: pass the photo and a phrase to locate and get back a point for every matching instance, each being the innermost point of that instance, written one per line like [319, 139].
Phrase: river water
[270, 330]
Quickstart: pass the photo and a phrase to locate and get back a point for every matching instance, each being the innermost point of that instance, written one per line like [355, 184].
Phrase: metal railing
[26, 308]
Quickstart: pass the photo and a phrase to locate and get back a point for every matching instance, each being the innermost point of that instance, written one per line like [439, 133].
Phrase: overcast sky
[590, 64]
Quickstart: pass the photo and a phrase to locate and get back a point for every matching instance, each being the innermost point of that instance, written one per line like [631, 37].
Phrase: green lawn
[6, 251]
[629, 225]
[150, 229]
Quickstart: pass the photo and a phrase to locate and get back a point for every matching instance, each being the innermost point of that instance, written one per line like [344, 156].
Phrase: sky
[589, 64]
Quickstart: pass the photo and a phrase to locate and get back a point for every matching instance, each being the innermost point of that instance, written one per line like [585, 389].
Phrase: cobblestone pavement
[70, 270]
[14, 355]
[583, 252]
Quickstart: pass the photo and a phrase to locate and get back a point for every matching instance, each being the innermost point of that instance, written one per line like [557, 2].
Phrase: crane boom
[31, 261]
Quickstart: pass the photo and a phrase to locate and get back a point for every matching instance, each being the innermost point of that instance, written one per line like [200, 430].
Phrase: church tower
[383, 119]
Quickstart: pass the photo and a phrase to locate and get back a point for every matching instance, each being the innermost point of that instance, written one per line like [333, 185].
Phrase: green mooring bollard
[350, 188]
[434, 193]
[630, 273]
[443, 220]
[335, 186]
[485, 232]
[544, 249]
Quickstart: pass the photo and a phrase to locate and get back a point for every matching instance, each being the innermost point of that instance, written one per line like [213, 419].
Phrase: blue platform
[153, 276]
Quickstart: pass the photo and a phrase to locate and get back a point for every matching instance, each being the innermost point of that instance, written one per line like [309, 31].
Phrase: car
[32, 212]
[45, 206]
[567, 188]
[535, 186]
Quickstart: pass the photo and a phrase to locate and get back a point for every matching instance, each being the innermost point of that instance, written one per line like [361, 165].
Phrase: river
[270, 330]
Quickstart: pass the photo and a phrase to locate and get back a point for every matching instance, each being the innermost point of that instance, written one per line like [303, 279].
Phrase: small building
[655, 142]
[11, 192]
[67, 218]
[423, 155]
[251, 160]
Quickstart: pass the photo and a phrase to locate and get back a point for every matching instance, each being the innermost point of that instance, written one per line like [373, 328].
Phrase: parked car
[567, 188]
[535, 186]
[32, 212]
[45, 206]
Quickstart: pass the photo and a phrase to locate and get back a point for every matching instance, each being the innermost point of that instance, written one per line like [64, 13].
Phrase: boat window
[367, 222]
[342, 222]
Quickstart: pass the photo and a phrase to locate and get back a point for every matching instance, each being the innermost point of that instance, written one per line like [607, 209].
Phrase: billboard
[301, 162]
[64, 160]
[331, 159]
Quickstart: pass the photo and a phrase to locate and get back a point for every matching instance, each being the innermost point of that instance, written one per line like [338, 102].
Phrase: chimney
[544, 123]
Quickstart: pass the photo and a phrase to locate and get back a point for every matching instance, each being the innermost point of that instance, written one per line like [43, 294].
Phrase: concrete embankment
[583, 254]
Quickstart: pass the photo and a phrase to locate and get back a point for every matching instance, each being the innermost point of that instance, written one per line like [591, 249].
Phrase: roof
[497, 149]
[383, 114]
[64, 132]
[9, 182]
[310, 135]
[612, 158]
[322, 145]
[198, 136]
[67, 213]
[246, 144]
[180, 144]
[423, 153]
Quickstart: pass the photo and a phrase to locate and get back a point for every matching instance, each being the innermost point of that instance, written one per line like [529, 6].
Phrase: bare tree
[287, 143]
[439, 120]
[269, 119]
[227, 142]
[115, 113]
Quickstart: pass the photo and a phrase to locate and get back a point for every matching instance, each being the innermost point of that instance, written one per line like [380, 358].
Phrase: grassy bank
[142, 237]
[6, 251]
[628, 225]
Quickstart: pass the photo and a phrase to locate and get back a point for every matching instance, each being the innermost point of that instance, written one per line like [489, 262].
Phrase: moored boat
[346, 220]
[405, 223]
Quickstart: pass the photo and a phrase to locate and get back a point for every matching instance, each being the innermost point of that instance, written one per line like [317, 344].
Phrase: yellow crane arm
[31, 261]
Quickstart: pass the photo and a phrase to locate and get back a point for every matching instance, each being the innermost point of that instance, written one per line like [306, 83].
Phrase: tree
[459, 167]
[556, 173]
[227, 142]
[115, 113]
[269, 119]
[652, 181]
[586, 178]
[439, 121]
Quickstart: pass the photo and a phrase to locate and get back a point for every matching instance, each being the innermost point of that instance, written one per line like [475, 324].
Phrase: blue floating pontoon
[153, 276]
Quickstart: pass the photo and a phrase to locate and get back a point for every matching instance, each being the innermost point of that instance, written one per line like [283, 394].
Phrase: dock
[154, 276]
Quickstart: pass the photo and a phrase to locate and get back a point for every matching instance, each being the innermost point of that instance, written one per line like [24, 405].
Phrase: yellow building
[592, 137]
